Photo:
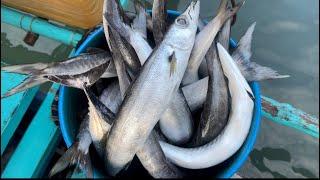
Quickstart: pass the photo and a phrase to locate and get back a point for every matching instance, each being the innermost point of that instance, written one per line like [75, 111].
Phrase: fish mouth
[193, 9]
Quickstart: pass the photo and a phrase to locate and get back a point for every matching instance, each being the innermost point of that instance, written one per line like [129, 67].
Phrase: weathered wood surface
[288, 115]
[13, 107]
[84, 14]
[34, 151]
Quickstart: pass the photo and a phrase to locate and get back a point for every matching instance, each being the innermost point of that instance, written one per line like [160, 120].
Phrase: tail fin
[26, 84]
[113, 18]
[255, 72]
[243, 51]
[33, 69]
[73, 156]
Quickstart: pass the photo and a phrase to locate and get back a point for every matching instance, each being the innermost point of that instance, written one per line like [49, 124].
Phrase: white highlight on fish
[235, 132]
[151, 91]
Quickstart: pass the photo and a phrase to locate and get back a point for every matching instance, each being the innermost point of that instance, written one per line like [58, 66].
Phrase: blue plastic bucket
[70, 103]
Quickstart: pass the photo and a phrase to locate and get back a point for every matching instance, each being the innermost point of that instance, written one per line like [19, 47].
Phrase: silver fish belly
[234, 134]
[150, 92]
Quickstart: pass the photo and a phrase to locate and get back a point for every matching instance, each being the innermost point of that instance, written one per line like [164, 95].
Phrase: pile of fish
[162, 73]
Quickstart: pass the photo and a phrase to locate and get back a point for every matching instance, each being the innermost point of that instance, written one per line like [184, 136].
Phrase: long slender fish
[234, 134]
[139, 23]
[74, 72]
[77, 153]
[196, 100]
[159, 16]
[204, 40]
[124, 79]
[250, 70]
[216, 108]
[113, 19]
[150, 154]
[176, 122]
[151, 91]
[122, 15]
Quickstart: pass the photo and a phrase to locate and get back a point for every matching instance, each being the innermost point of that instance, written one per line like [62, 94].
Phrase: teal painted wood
[39, 26]
[78, 174]
[288, 115]
[13, 107]
[37, 146]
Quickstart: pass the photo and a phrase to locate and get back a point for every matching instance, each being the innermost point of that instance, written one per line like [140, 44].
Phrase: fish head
[184, 27]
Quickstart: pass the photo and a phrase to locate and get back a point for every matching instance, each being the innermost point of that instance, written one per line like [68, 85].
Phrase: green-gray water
[285, 38]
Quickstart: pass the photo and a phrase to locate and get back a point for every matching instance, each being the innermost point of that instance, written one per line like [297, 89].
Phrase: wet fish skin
[100, 121]
[121, 147]
[216, 108]
[176, 123]
[223, 36]
[129, 55]
[205, 38]
[196, 100]
[139, 23]
[111, 97]
[251, 70]
[178, 114]
[106, 7]
[123, 77]
[231, 139]
[153, 159]
[77, 153]
[150, 154]
[183, 117]
[133, 37]
[159, 16]
[87, 67]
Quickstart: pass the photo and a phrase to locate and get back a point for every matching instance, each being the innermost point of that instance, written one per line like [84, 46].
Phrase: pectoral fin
[173, 63]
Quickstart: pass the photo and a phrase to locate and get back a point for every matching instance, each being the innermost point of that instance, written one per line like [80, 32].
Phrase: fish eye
[182, 21]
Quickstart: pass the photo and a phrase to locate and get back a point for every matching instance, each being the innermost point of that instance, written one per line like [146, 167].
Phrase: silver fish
[176, 122]
[251, 70]
[196, 93]
[122, 15]
[178, 114]
[74, 72]
[150, 154]
[139, 23]
[113, 19]
[216, 108]
[149, 94]
[159, 16]
[232, 137]
[204, 40]
[124, 79]
[77, 153]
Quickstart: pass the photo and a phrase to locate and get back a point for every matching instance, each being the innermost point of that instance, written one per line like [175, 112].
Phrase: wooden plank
[13, 107]
[287, 115]
[79, 13]
[32, 155]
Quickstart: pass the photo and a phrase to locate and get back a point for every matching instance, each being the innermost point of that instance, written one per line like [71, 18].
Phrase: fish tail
[74, 156]
[26, 84]
[112, 16]
[33, 69]
[229, 12]
[243, 50]
[259, 72]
